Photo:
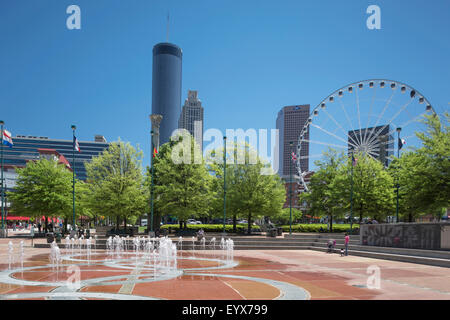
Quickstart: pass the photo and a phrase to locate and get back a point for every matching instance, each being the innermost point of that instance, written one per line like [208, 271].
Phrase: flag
[76, 145]
[354, 160]
[155, 152]
[7, 140]
[294, 156]
[401, 142]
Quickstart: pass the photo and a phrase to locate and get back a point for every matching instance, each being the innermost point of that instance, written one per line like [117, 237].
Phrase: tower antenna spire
[167, 29]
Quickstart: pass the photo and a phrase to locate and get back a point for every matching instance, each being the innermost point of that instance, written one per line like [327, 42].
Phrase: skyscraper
[290, 121]
[376, 142]
[191, 117]
[166, 87]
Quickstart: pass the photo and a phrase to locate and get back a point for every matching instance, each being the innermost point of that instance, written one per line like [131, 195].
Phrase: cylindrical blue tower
[166, 87]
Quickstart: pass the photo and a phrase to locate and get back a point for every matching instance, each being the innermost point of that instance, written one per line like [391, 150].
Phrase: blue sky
[247, 59]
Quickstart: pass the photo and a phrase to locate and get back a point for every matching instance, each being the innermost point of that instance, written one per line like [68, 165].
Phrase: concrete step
[394, 257]
[440, 254]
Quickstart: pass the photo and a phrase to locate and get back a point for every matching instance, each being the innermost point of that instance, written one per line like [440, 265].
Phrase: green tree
[250, 193]
[182, 182]
[422, 174]
[115, 183]
[324, 198]
[43, 188]
[373, 194]
[283, 217]
[434, 189]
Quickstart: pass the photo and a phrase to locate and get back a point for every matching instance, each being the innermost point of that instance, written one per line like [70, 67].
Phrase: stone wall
[405, 235]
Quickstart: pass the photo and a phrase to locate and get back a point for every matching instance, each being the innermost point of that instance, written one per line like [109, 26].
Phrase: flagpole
[398, 157]
[150, 222]
[351, 196]
[291, 143]
[73, 177]
[224, 181]
[2, 196]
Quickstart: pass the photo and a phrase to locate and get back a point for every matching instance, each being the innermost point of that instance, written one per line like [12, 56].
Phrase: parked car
[193, 221]
[242, 222]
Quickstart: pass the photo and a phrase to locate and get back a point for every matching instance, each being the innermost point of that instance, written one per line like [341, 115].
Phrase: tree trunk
[410, 217]
[65, 226]
[330, 217]
[125, 224]
[249, 225]
[117, 223]
[234, 223]
[46, 224]
[181, 224]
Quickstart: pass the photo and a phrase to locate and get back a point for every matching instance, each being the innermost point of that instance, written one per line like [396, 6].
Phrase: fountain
[88, 249]
[230, 249]
[180, 243]
[10, 254]
[73, 245]
[203, 241]
[167, 254]
[67, 244]
[223, 246]
[79, 245]
[21, 254]
[212, 243]
[109, 246]
[95, 244]
[55, 256]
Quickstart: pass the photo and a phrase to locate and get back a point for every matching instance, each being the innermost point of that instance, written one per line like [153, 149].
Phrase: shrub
[316, 228]
[240, 228]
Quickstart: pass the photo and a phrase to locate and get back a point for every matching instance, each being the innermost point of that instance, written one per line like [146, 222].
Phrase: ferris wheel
[368, 117]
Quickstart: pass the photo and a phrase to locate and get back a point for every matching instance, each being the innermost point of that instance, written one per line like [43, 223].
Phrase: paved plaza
[211, 275]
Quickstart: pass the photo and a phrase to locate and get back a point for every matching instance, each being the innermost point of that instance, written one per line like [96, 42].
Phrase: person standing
[347, 240]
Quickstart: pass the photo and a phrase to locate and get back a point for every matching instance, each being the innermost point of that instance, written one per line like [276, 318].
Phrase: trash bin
[50, 237]
[58, 238]
[272, 232]
[279, 231]
[88, 233]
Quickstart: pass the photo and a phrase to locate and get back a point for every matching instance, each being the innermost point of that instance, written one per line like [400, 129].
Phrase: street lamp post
[351, 194]
[291, 143]
[154, 135]
[150, 219]
[2, 123]
[73, 177]
[224, 181]
[398, 157]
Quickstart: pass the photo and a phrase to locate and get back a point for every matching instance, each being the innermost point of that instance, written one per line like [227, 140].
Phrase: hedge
[316, 228]
[241, 228]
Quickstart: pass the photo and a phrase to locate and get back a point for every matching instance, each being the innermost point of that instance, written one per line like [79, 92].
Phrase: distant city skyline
[247, 61]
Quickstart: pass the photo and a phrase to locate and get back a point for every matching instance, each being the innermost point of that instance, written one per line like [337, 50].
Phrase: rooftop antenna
[167, 32]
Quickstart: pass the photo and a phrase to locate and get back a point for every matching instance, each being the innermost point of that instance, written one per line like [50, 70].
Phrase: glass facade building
[290, 121]
[25, 148]
[379, 143]
[166, 87]
[191, 117]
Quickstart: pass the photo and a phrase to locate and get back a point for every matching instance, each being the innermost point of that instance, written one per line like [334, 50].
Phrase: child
[342, 252]
[330, 246]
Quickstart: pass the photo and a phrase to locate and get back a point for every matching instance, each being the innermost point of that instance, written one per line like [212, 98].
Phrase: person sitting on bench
[200, 234]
